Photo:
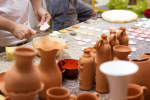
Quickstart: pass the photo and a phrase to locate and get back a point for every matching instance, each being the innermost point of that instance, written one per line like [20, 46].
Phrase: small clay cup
[59, 93]
[136, 92]
[145, 55]
[71, 67]
[88, 96]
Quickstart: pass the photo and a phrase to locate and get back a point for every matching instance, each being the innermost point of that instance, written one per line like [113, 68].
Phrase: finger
[32, 32]
[28, 34]
[43, 19]
[48, 18]
[25, 36]
[39, 25]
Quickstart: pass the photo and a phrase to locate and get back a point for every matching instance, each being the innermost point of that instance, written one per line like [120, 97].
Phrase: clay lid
[112, 31]
[104, 36]
[122, 28]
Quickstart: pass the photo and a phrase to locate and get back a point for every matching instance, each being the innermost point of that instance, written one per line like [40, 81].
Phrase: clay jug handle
[99, 44]
[72, 97]
[96, 94]
[144, 90]
[119, 34]
[61, 64]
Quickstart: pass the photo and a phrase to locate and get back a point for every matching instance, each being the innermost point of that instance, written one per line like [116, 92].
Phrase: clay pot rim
[32, 53]
[88, 95]
[56, 96]
[137, 60]
[114, 48]
[22, 94]
[147, 53]
[135, 85]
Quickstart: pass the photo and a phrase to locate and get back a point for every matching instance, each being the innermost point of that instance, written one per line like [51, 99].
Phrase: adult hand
[21, 31]
[42, 16]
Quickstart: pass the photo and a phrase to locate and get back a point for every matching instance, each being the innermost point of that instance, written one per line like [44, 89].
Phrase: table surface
[75, 51]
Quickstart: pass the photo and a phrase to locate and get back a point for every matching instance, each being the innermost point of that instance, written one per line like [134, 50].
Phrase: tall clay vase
[103, 54]
[118, 74]
[142, 76]
[86, 70]
[113, 41]
[121, 52]
[50, 74]
[122, 36]
[22, 80]
[136, 92]
[145, 55]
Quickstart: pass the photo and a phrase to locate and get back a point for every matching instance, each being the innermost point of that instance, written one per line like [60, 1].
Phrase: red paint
[71, 64]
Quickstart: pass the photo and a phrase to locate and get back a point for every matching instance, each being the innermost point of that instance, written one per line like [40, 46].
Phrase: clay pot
[142, 76]
[87, 96]
[118, 74]
[50, 73]
[121, 52]
[1, 79]
[113, 41]
[136, 92]
[145, 55]
[19, 77]
[122, 36]
[59, 93]
[86, 70]
[103, 54]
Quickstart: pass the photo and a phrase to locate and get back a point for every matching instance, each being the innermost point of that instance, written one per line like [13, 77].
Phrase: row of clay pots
[24, 80]
[104, 50]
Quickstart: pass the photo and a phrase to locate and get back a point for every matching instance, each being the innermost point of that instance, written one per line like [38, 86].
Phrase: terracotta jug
[145, 55]
[22, 77]
[103, 54]
[142, 76]
[121, 52]
[86, 70]
[122, 36]
[113, 41]
[136, 92]
[118, 74]
[50, 73]
[59, 93]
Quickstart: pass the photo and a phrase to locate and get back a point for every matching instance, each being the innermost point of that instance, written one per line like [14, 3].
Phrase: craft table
[75, 51]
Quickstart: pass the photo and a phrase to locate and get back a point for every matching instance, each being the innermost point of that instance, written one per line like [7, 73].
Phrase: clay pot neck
[104, 38]
[86, 53]
[147, 54]
[122, 28]
[112, 31]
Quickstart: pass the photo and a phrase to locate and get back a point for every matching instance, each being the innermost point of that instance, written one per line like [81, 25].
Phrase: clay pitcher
[22, 77]
[121, 52]
[122, 36]
[113, 41]
[142, 76]
[145, 55]
[136, 92]
[50, 74]
[86, 70]
[103, 54]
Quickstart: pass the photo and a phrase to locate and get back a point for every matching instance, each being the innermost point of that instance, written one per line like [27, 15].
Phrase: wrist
[12, 27]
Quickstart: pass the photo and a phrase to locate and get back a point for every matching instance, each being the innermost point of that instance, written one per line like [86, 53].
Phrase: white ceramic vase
[118, 74]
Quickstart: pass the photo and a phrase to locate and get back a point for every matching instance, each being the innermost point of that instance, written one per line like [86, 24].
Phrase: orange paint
[71, 64]
[75, 26]
[66, 47]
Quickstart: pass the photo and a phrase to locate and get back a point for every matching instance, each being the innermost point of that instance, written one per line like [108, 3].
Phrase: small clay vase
[103, 54]
[113, 41]
[122, 36]
[86, 70]
[59, 93]
[142, 76]
[136, 92]
[145, 55]
[88, 96]
[121, 52]
[50, 73]
[22, 77]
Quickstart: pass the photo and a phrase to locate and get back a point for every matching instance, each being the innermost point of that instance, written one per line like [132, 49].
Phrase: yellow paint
[62, 31]
[9, 53]
[84, 33]
[90, 34]
[2, 97]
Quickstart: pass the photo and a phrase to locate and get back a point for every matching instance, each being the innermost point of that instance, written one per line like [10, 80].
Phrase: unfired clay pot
[22, 77]
[86, 70]
[113, 41]
[59, 93]
[50, 73]
[122, 36]
[87, 96]
[103, 54]
[121, 52]
[145, 55]
[142, 76]
[136, 92]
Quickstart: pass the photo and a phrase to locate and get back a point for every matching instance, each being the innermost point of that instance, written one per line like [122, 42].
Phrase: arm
[40, 13]
[20, 31]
